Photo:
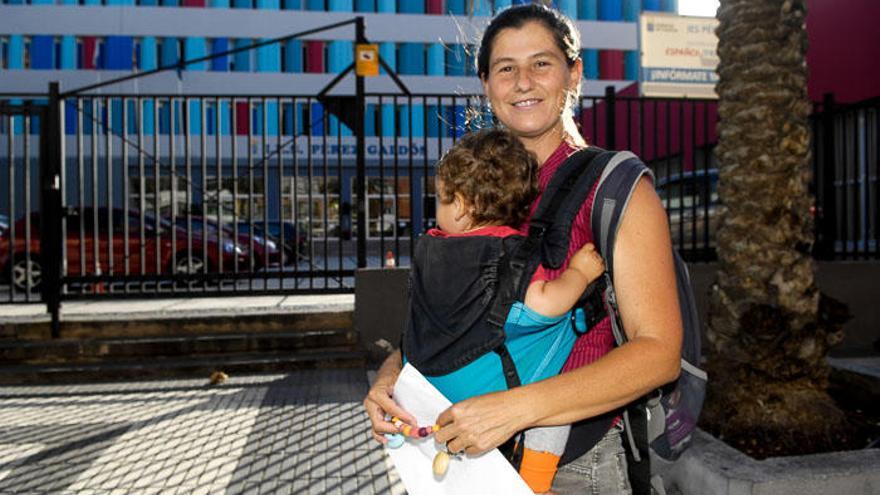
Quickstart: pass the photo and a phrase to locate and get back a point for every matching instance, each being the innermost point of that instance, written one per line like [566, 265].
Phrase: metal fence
[20, 228]
[227, 194]
[845, 151]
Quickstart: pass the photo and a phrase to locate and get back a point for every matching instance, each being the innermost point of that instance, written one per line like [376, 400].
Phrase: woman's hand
[479, 424]
[379, 402]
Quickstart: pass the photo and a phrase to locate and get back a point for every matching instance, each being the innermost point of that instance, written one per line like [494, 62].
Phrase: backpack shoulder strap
[616, 186]
[562, 200]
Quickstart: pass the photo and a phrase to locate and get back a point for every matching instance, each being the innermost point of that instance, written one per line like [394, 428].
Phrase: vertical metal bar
[203, 137]
[361, 150]
[172, 184]
[108, 149]
[295, 194]
[26, 161]
[396, 153]
[250, 162]
[339, 176]
[381, 120]
[610, 117]
[410, 145]
[280, 175]
[11, 198]
[157, 176]
[96, 121]
[218, 154]
[324, 161]
[381, 212]
[50, 163]
[309, 184]
[187, 157]
[707, 182]
[265, 158]
[141, 189]
[125, 193]
[641, 125]
[233, 112]
[81, 185]
[700, 192]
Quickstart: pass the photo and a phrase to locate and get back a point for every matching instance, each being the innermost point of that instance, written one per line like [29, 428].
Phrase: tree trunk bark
[767, 343]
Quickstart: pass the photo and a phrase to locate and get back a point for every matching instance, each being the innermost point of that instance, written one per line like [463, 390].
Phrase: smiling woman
[529, 66]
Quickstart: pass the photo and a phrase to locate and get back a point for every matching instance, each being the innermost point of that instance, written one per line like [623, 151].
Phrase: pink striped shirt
[599, 341]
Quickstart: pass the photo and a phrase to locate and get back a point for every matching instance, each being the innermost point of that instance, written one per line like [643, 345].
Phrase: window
[388, 211]
[312, 204]
[164, 197]
[234, 200]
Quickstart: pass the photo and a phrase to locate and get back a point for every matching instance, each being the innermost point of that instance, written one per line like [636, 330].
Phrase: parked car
[295, 243]
[691, 201]
[155, 256]
[266, 251]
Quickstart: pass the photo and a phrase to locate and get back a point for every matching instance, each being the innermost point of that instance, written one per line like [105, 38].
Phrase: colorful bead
[423, 432]
[407, 429]
[395, 440]
[435, 428]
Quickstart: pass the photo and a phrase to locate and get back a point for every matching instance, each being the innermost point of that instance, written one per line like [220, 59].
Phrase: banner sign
[679, 55]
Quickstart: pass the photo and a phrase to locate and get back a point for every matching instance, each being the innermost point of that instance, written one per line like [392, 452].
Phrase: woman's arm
[378, 401]
[556, 297]
[644, 282]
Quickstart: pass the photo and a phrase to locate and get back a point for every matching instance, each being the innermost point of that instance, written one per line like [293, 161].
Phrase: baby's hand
[587, 261]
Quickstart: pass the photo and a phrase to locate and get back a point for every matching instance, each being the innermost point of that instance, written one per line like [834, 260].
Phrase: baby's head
[487, 178]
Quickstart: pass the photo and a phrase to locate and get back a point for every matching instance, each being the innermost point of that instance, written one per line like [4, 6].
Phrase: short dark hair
[563, 30]
[494, 173]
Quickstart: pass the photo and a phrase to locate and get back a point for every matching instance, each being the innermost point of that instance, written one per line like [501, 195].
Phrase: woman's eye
[506, 68]
[542, 63]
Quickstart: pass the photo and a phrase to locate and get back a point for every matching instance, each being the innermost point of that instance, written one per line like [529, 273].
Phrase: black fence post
[360, 102]
[826, 210]
[51, 156]
[610, 118]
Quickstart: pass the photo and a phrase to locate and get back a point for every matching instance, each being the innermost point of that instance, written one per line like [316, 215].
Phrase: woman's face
[528, 81]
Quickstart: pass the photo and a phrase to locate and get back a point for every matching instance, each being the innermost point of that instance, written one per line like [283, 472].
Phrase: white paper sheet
[486, 474]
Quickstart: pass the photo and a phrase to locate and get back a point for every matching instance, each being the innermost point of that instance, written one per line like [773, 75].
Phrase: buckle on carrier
[592, 304]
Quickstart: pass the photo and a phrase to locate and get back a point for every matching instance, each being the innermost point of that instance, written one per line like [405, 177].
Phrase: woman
[530, 69]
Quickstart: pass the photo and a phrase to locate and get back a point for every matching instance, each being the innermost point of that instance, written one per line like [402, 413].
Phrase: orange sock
[538, 469]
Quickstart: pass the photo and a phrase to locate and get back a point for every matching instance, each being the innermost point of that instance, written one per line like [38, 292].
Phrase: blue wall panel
[365, 5]
[42, 51]
[118, 52]
[220, 45]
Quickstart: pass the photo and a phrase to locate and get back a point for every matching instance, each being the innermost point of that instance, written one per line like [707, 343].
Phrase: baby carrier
[483, 278]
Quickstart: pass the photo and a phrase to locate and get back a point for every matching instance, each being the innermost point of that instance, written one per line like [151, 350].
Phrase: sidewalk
[303, 433]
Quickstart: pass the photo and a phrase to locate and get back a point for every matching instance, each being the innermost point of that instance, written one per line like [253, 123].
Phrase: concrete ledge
[151, 309]
[711, 466]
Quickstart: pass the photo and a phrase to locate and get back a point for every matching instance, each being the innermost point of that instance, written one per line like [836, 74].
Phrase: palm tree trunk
[767, 343]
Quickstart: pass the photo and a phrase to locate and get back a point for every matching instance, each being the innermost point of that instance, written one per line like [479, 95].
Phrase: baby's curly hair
[494, 173]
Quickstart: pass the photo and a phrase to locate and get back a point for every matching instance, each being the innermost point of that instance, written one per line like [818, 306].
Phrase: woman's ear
[575, 74]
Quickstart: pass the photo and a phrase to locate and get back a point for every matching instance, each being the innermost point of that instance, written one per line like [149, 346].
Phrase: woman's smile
[528, 83]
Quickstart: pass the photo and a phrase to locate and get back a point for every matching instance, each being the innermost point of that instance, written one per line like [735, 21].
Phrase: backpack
[658, 427]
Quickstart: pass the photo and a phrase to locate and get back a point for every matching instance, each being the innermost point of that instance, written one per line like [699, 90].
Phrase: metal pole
[50, 199]
[826, 212]
[360, 101]
[610, 118]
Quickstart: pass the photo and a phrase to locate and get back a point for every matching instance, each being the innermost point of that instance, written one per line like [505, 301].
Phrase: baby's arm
[555, 297]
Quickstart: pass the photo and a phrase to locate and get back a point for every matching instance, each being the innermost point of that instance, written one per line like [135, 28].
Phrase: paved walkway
[302, 433]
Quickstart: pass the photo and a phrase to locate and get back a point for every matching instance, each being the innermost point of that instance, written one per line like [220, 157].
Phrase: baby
[485, 186]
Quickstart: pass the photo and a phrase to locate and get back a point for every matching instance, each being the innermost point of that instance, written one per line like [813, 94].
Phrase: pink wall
[844, 52]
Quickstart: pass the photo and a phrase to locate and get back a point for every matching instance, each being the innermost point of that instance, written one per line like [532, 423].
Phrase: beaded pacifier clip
[395, 440]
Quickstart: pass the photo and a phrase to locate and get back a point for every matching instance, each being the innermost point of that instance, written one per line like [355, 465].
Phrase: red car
[157, 255]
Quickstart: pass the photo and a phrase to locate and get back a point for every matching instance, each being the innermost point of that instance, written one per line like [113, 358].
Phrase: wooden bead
[441, 463]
